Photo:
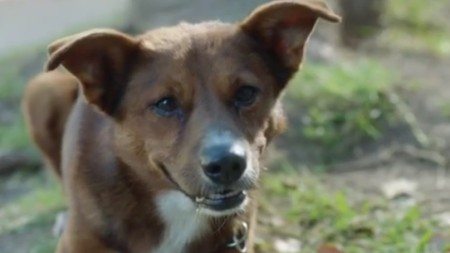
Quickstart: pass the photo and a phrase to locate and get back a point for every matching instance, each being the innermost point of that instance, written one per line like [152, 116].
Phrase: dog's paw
[60, 224]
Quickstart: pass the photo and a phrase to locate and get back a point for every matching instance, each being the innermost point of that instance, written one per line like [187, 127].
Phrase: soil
[425, 78]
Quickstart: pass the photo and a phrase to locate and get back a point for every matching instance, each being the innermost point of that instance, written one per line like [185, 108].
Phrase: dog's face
[198, 103]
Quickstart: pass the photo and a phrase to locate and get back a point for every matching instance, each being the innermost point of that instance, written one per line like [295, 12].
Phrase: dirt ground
[425, 166]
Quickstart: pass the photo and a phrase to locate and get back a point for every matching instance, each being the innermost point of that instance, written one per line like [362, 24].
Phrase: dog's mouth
[219, 203]
[222, 201]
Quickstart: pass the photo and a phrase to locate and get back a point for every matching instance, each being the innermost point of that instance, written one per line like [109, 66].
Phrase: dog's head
[197, 102]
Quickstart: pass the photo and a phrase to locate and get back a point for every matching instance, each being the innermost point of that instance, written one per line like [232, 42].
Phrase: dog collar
[239, 240]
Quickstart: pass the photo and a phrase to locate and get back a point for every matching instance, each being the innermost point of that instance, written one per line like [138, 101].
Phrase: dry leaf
[289, 245]
[399, 188]
[277, 221]
[329, 248]
[443, 219]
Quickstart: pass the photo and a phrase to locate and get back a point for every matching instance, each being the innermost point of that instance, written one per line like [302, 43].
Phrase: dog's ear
[100, 60]
[282, 27]
[276, 124]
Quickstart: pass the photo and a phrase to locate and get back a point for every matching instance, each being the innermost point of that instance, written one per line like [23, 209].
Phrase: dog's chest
[182, 222]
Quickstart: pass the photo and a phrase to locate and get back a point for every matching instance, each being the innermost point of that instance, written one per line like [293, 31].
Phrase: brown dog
[161, 148]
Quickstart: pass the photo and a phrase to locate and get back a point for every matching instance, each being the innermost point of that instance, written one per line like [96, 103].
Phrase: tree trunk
[362, 20]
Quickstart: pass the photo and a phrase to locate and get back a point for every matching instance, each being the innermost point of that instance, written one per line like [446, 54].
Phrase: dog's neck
[184, 228]
[183, 224]
[187, 230]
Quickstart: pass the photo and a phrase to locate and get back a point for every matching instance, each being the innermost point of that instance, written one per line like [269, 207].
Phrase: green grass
[313, 214]
[13, 134]
[316, 216]
[445, 109]
[44, 198]
[12, 80]
[44, 246]
[27, 218]
[30, 209]
[11, 84]
[344, 104]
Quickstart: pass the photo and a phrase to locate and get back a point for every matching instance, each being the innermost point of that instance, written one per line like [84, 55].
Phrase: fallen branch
[387, 155]
[16, 160]
[404, 111]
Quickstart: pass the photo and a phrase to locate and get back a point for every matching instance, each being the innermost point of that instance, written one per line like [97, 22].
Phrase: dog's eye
[245, 96]
[166, 107]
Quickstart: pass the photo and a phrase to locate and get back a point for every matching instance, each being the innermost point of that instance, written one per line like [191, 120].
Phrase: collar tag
[239, 240]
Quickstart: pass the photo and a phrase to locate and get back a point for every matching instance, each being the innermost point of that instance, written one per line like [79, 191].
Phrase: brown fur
[47, 102]
[114, 145]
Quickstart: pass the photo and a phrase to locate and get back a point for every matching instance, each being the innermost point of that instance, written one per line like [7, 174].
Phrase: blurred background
[363, 167]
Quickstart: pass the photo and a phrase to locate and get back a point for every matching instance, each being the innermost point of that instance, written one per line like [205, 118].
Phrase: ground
[383, 194]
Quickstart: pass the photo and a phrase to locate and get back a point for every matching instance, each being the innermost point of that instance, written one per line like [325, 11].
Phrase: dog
[157, 139]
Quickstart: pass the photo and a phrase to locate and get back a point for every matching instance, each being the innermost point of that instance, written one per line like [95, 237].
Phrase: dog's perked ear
[100, 60]
[283, 27]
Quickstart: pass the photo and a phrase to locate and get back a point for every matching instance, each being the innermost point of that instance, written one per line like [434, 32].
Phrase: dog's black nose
[224, 164]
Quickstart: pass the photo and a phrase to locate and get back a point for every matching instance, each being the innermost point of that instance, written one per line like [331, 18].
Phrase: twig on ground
[15, 160]
[404, 111]
[386, 155]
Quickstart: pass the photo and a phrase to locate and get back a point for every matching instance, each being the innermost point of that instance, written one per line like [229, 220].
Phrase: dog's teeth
[199, 199]
[231, 194]
[221, 196]
[216, 196]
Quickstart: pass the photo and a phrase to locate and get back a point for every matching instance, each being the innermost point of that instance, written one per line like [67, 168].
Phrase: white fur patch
[183, 223]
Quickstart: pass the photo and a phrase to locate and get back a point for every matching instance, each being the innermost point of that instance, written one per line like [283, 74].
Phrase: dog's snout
[224, 164]
[223, 156]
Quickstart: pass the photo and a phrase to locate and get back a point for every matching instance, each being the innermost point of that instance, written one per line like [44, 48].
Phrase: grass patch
[343, 104]
[44, 245]
[40, 203]
[445, 109]
[14, 136]
[11, 85]
[29, 203]
[317, 216]
[12, 81]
